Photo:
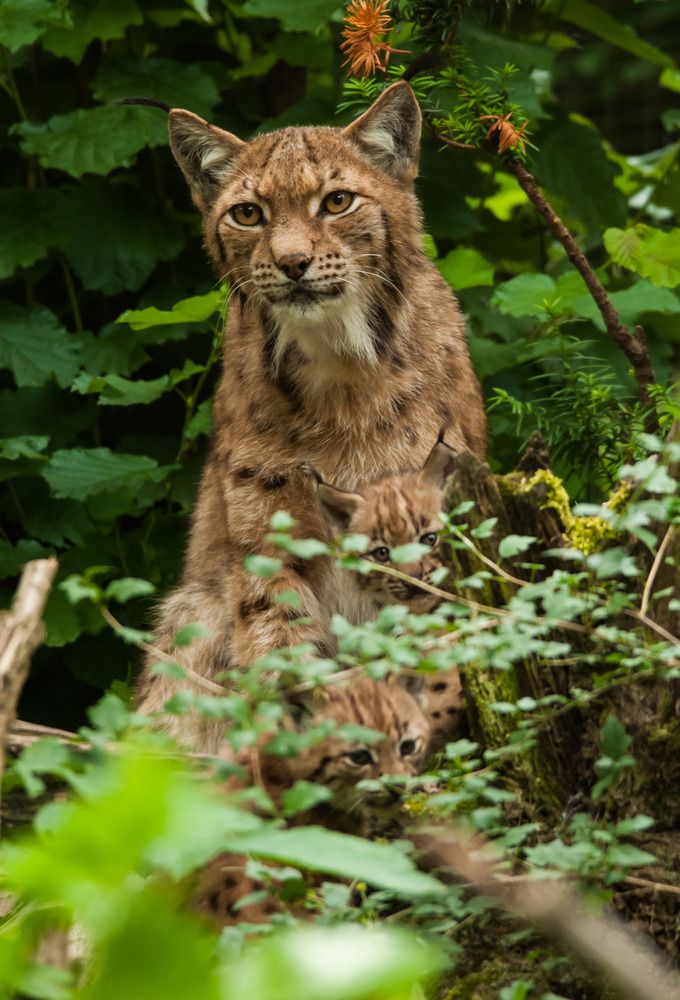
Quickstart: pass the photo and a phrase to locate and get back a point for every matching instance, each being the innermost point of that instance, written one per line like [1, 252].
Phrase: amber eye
[407, 747]
[381, 554]
[429, 539]
[360, 757]
[246, 214]
[338, 201]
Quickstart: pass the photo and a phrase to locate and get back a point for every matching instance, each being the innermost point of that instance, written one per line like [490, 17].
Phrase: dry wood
[21, 632]
[616, 952]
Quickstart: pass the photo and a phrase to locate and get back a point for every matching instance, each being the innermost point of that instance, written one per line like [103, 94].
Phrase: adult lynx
[344, 348]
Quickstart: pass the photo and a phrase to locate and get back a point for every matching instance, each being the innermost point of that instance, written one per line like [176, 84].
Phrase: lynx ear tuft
[205, 153]
[337, 506]
[439, 464]
[389, 132]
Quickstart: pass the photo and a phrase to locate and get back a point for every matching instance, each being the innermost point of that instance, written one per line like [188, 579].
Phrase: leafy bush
[110, 331]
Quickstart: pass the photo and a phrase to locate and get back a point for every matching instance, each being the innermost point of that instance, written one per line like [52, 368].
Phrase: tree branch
[632, 344]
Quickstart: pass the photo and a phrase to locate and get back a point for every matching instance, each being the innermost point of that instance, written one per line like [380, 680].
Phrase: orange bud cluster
[365, 22]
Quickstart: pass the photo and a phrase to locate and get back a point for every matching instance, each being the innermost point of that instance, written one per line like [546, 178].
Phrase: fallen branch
[610, 949]
[21, 632]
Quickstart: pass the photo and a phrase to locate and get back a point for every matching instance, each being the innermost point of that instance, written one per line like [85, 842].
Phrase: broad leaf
[115, 236]
[103, 20]
[593, 18]
[90, 140]
[181, 85]
[526, 295]
[315, 848]
[196, 309]
[29, 227]
[114, 390]
[653, 253]
[83, 472]
[23, 21]
[127, 588]
[14, 557]
[35, 346]
[303, 15]
[465, 267]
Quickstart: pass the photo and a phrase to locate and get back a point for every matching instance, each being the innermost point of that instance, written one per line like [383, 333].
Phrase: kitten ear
[204, 152]
[337, 506]
[389, 132]
[412, 682]
[439, 464]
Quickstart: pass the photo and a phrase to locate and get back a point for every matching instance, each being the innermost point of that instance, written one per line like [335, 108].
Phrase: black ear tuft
[204, 152]
[389, 132]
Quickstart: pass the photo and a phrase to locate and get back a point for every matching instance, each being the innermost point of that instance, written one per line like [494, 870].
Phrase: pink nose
[294, 265]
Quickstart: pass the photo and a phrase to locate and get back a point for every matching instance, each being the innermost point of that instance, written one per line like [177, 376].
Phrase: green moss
[588, 534]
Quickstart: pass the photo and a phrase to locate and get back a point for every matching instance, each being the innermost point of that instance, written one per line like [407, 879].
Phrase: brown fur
[356, 374]
[385, 706]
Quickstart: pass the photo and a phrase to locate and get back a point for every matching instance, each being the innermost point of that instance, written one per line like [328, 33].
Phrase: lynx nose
[294, 265]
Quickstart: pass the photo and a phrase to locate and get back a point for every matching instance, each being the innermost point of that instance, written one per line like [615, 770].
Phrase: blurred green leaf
[115, 390]
[465, 267]
[653, 253]
[91, 19]
[593, 18]
[23, 21]
[82, 472]
[29, 227]
[304, 15]
[35, 346]
[196, 309]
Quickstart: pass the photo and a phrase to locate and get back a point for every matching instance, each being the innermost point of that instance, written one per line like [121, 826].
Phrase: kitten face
[395, 511]
[340, 763]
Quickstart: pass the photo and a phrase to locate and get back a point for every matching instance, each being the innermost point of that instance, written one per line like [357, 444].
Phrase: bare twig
[649, 582]
[21, 632]
[621, 955]
[632, 344]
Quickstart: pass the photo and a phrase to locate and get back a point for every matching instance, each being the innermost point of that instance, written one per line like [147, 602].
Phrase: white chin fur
[335, 325]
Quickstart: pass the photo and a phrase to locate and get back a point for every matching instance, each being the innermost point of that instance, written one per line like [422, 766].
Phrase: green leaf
[23, 21]
[525, 295]
[304, 795]
[593, 18]
[512, 545]
[188, 633]
[465, 267]
[14, 557]
[336, 963]
[84, 472]
[282, 521]
[408, 553]
[306, 548]
[573, 165]
[35, 346]
[103, 20]
[262, 566]
[196, 309]
[629, 856]
[181, 85]
[24, 446]
[201, 423]
[115, 390]
[318, 849]
[128, 587]
[304, 15]
[650, 252]
[29, 227]
[615, 742]
[78, 589]
[116, 236]
[88, 140]
[45, 756]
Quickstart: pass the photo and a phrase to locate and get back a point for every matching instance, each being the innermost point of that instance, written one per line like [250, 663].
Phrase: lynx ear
[204, 152]
[412, 682]
[439, 464]
[389, 132]
[337, 506]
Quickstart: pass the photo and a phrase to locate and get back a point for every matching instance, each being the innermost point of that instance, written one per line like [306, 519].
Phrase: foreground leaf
[83, 472]
[35, 346]
[650, 252]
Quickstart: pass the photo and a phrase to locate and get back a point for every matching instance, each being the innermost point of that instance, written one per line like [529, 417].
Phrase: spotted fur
[344, 347]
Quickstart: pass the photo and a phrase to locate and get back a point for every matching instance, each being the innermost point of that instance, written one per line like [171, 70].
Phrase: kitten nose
[294, 265]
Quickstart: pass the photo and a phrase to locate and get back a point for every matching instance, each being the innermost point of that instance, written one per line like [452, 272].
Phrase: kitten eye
[360, 757]
[407, 747]
[246, 214]
[337, 202]
[430, 538]
[381, 554]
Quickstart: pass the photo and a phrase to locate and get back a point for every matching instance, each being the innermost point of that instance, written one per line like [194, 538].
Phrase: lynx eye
[338, 201]
[430, 538]
[381, 554]
[407, 747]
[360, 757]
[246, 214]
